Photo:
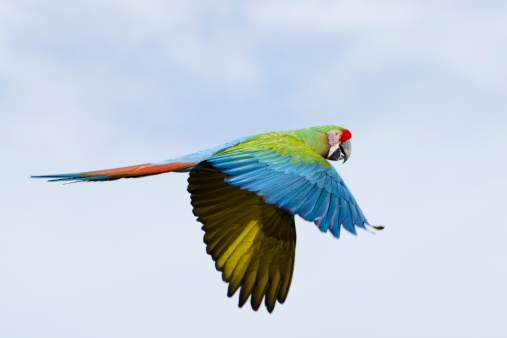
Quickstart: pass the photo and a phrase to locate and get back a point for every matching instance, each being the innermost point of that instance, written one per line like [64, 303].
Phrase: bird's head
[339, 144]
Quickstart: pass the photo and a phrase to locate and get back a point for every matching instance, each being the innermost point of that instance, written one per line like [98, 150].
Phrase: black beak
[346, 149]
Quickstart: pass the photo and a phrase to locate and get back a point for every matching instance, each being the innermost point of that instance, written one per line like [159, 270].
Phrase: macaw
[246, 194]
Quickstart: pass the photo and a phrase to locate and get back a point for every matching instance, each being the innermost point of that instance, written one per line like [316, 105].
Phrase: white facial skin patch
[334, 145]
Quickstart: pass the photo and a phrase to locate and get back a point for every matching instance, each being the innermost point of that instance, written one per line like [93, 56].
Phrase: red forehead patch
[345, 135]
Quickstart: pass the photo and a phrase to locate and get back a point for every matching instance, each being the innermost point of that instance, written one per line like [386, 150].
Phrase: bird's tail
[125, 172]
[182, 163]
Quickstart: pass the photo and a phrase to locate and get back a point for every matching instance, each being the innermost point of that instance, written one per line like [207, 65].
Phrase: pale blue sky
[89, 85]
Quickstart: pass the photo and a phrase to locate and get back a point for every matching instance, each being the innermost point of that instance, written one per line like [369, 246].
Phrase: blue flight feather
[322, 212]
[331, 212]
[312, 190]
[277, 197]
[307, 204]
[293, 202]
[347, 221]
[322, 198]
[278, 186]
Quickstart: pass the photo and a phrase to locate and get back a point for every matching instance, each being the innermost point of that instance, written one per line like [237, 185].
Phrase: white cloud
[336, 16]
[464, 38]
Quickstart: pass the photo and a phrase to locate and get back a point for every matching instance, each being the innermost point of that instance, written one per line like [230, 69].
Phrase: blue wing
[297, 180]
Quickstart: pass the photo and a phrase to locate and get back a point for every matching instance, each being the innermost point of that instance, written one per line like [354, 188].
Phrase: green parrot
[246, 194]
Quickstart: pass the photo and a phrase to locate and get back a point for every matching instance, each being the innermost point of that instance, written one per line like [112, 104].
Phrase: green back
[301, 144]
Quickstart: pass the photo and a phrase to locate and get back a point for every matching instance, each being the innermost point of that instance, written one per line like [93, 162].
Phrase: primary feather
[246, 193]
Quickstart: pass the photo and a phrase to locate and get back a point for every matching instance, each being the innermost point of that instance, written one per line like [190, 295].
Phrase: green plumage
[308, 145]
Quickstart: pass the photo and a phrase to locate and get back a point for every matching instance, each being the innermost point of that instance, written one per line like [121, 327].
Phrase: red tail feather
[125, 172]
[138, 170]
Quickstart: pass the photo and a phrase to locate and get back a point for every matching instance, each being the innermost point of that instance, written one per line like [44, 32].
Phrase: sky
[87, 85]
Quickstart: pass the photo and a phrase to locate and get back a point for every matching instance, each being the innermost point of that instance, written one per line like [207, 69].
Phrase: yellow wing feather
[252, 242]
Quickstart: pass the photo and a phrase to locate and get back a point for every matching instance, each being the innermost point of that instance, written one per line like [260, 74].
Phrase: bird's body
[246, 193]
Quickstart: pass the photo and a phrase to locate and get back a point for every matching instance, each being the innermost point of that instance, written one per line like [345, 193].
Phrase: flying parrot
[246, 194]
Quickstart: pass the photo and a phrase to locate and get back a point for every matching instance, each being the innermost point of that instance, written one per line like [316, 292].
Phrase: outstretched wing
[252, 242]
[285, 172]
